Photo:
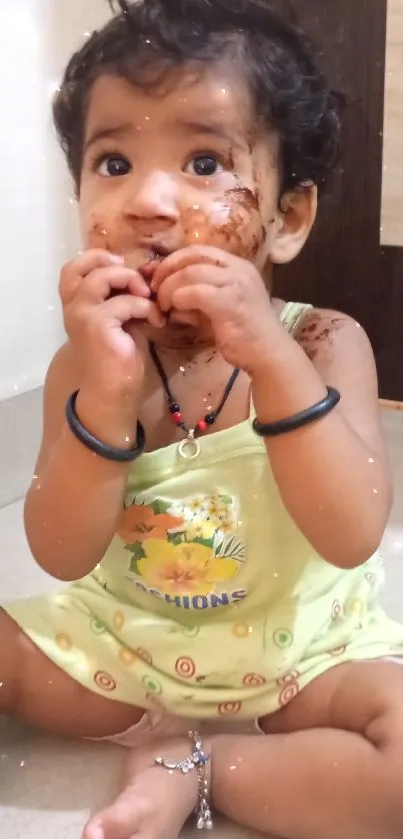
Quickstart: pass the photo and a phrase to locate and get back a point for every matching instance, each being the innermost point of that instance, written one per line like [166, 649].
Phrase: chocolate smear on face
[244, 197]
[98, 237]
[233, 224]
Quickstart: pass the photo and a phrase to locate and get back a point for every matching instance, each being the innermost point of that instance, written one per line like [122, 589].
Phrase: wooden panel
[344, 267]
[392, 188]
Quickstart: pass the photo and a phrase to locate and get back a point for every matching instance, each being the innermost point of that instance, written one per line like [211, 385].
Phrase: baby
[212, 478]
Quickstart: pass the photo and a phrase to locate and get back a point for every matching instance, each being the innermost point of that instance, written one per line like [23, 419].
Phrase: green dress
[209, 601]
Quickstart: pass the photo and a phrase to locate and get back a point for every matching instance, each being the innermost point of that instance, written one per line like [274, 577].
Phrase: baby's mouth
[160, 252]
[156, 255]
[181, 320]
[147, 269]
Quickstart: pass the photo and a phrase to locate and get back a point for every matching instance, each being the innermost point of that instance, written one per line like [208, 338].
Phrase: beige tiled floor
[48, 788]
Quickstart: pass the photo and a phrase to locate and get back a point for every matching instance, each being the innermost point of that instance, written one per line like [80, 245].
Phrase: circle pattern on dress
[118, 620]
[104, 681]
[227, 709]
[283, 638]
[185, 667]
[254, 680]
[355, 607]
[97, 627]
[241, 630]
[64, 641]
[336, 610]
[338, 650]
[127, 657]
[152, 684]
[191, 631]
[288, 678]
[289, 693]
[289, 687]
[144, 655]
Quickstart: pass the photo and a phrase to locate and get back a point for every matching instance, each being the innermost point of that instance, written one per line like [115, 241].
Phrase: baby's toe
[127, 818]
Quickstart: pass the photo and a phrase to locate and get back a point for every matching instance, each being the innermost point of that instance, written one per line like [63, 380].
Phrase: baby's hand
[231, 293]
[100, 296]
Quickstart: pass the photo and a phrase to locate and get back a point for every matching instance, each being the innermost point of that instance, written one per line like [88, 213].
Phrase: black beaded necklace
[203, 424]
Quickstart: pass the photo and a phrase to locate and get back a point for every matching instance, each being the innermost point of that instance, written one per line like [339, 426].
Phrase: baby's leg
[331, 765]
[153, 803]
[40, 693]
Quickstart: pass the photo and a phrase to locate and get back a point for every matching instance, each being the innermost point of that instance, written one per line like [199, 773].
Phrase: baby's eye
[113, 166]
[205, 166]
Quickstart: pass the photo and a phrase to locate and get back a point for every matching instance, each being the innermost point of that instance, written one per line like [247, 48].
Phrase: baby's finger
[190, 276]
[198, 298]
[127, 307]
[74, 272]
[193, 255]
[95, 258]
[102, 283]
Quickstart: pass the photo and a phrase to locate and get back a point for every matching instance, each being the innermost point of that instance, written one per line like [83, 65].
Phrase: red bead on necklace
[203, 424]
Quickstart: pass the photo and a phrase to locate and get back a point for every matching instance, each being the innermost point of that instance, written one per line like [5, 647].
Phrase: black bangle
[97, 446]
[274, 429]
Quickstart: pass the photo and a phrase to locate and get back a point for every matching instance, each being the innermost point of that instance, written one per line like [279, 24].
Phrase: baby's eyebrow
[121, 131]
[191, 126]
[209, 128]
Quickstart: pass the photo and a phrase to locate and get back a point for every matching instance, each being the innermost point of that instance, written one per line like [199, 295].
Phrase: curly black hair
[148, 38]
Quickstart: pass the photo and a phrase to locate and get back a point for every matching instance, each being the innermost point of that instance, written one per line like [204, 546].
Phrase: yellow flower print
[185, 568]
[200, 530]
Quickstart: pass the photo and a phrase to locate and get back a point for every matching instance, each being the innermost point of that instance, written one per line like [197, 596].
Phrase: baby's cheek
[243, 236]
[96, 236]
[234, 225]
[106, 229]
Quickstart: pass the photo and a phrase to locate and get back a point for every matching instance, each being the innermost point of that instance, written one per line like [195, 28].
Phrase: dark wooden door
[344, 267]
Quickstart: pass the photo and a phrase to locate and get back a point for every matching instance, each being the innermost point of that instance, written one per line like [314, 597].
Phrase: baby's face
[187, 166]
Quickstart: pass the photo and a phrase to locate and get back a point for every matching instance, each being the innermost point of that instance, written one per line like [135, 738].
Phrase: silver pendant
[183, 766]
[189, 448]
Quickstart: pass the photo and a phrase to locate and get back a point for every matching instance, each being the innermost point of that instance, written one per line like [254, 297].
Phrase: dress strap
[293, 314]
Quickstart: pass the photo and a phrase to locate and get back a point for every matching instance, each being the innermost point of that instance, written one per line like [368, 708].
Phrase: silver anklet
[197, 760]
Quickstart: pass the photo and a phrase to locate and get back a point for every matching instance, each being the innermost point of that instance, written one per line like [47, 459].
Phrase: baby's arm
[75, 498]
[333, 474]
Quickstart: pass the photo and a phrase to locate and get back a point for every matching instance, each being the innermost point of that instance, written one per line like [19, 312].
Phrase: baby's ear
[293, 223]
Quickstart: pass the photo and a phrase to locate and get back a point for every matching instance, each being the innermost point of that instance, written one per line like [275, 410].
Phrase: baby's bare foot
[154, 804]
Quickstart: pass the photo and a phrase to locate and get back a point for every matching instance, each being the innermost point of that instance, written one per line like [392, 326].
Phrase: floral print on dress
[192, 548]
[187, 567]
[142, 522]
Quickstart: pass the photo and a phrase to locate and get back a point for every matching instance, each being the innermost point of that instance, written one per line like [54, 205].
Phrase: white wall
[38, 220]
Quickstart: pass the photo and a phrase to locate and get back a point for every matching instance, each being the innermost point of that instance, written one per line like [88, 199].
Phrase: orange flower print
[139, 522]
